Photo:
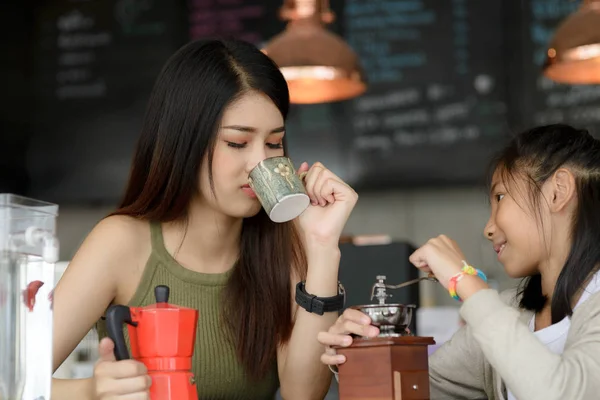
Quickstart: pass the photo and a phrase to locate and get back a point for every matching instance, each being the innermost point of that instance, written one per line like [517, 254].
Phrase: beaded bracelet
[466, 270]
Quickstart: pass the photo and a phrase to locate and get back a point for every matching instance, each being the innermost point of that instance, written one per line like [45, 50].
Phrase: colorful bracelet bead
[452, 285]
[466, 270]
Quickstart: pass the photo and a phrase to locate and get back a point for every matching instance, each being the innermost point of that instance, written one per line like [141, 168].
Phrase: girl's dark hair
[181, 123]
[536, 155]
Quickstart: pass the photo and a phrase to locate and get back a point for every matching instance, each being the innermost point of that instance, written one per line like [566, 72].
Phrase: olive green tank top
[218, 372]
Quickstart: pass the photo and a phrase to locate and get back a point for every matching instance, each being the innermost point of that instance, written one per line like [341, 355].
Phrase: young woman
[543, 341]
[190, 221]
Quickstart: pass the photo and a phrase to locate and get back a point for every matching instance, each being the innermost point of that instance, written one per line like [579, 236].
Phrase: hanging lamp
[317, 64]
[573, 56]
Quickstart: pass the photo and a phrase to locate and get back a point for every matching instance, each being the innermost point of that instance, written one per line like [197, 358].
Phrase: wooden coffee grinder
[392, 366]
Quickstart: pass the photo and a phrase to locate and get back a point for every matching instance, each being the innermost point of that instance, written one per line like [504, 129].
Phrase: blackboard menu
[95, 64]
[241, 19]
[449, 83]
[538, 100]
[435, 108]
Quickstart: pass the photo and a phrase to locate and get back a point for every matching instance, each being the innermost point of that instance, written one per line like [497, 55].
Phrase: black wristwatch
[320, 305]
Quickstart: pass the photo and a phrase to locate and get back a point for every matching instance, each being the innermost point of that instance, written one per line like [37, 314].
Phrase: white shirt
[555, 336]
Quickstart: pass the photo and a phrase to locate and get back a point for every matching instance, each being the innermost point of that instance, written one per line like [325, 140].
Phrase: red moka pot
[161, 336]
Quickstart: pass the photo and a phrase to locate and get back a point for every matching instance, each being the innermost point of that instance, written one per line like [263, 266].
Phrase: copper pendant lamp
[317, 64]
[574, 53]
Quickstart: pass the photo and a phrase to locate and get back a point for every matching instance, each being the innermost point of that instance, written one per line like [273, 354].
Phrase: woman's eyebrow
[251, 129]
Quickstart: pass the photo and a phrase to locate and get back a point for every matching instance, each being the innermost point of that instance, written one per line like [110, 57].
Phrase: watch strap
[320, 305]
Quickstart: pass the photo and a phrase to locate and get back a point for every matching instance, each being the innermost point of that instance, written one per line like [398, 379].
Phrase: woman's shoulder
[123, 223]
[121, 237]
[123, 227]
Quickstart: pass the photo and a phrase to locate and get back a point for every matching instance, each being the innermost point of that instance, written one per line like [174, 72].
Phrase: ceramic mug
[279, 189]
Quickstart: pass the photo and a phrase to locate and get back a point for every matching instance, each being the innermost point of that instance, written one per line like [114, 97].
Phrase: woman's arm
[528, 368]
[301, 373]
[86, 289]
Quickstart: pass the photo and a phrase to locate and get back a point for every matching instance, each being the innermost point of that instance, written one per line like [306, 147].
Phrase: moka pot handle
[116, 316]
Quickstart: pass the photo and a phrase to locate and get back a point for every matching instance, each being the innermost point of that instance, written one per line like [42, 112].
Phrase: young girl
[190, 221]
[542, 342]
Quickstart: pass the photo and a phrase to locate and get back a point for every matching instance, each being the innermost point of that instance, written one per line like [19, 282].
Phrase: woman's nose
[255, 158]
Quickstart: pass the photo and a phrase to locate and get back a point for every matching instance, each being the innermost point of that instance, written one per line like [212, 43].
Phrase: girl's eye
[275, 145]
[499, 197]
[236, 145]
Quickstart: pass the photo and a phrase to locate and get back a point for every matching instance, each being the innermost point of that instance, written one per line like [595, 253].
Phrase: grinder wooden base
[385, 368]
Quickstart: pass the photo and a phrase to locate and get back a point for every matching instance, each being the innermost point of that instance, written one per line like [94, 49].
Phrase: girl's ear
[562, 189]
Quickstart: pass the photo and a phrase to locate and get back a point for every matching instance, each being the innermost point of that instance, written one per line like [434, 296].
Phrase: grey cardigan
[496, 349]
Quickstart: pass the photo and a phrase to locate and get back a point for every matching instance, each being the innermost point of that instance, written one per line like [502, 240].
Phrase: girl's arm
[457, 370]
[528, 368]
[301, 373]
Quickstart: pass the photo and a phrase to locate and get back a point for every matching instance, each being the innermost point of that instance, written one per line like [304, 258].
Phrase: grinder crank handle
[116, 316]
